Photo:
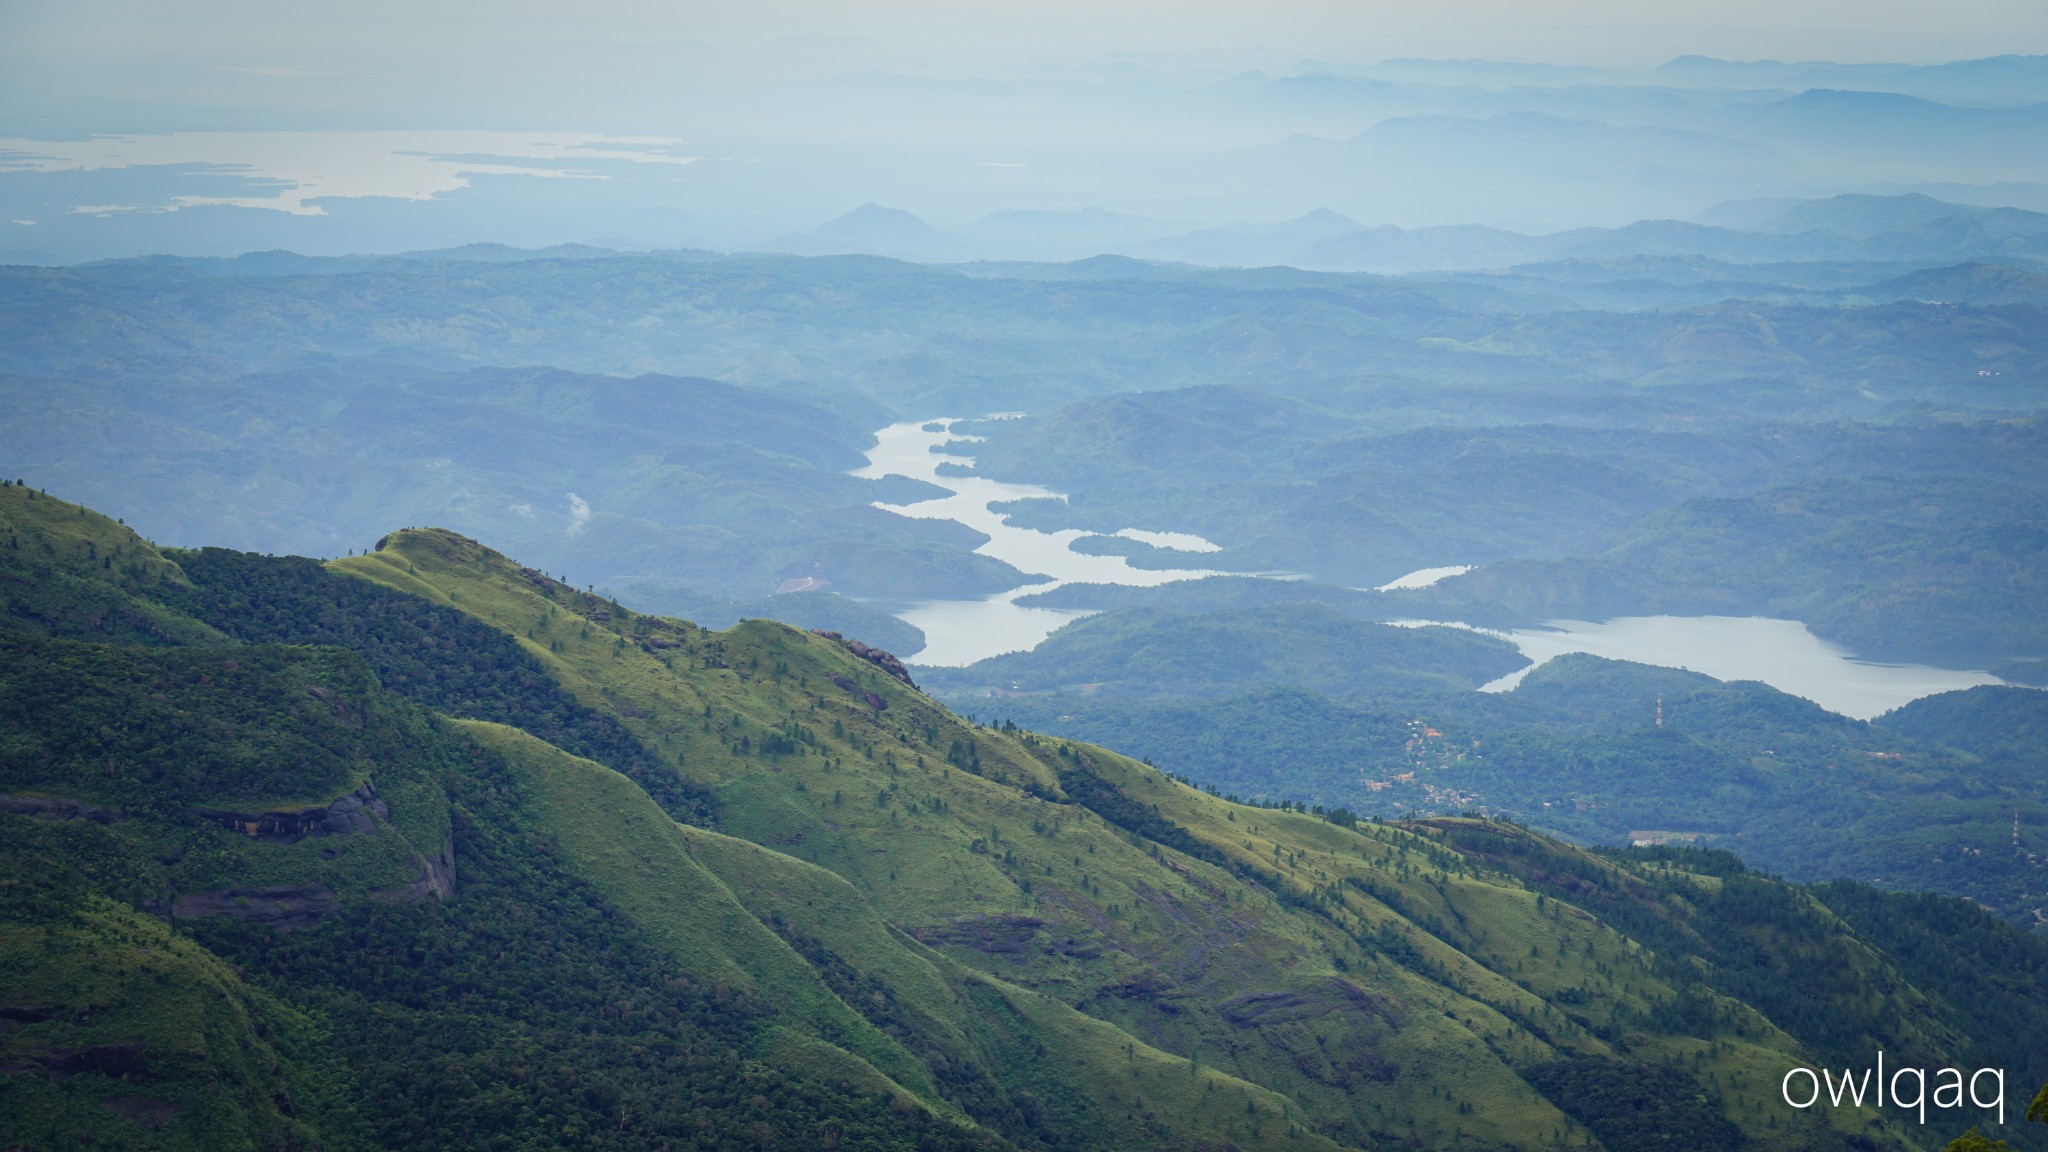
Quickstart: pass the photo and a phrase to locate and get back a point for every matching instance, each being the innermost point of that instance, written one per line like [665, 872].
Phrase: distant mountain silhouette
[1995, 79]
[1972, 283]
[1861, 216]
[1255, 244]
[872, 229]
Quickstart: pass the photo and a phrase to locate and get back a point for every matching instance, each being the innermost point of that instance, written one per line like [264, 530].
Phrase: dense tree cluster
[429, 653]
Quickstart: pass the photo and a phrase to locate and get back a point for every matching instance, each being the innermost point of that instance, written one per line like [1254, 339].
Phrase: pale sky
[119, 117]
[1637, 33]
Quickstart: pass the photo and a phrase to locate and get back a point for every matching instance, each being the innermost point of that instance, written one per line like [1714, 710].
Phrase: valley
[820, 902]
[1105, 577]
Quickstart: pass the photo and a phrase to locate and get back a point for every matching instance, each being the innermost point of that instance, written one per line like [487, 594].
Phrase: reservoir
[960, 632]
[1781, 653]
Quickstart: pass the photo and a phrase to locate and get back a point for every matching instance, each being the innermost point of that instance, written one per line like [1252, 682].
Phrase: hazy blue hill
[1585, 694]
[1987, 721]
[1149, 653]
[1634, 104]
[1323, 101]
[1749, 212]
[506, 253]
[1948, 351]
[1674, 282]
[1215, 594]
[1100, 267]
[1934, 569]
[1277, 486]
[1084, 222]
[1861, 216]
[1386, 248]
[1701, 69]
[1219, 432]
[1679, 238]
[1888, 131]
[684, 482]
[1972, 283]
[1822, 232]
[900, 334]
[2009, 79]
[656, 410]
[871, 229]
[1904, 538]
[1352, 431]
[2006, 234]
[1842, 228]
[1253, 245]
[1546, 154]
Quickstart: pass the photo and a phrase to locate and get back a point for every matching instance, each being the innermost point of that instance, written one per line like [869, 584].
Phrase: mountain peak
[876, 221]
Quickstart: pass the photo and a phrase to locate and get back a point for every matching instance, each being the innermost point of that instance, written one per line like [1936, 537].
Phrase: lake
[960, 632]
[1781, 653]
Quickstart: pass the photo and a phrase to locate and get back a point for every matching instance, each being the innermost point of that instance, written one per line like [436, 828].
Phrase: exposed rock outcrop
[284, 907]
[343, 710]
[436, 879]
[1255, 1009]
[347, 816]
[880, 659]
[860, 693]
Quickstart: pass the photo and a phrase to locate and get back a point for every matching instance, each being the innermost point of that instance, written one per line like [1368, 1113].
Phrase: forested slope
[748, 888]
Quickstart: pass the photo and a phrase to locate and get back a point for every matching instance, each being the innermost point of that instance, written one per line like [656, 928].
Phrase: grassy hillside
[926, 817]
[1924, 798]
[66, 570]
[828, 948]
[124, 1033]
[876, 925]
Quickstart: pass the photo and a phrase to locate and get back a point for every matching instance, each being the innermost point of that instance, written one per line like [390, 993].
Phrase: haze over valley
[895, 578]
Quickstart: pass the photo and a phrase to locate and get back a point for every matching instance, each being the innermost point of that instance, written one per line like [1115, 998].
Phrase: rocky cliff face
[880, 659]
[346, 816]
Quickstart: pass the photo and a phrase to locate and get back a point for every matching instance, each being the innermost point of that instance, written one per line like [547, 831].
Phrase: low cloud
[579, 513]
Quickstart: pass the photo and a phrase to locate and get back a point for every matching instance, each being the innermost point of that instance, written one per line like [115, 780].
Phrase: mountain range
[1858, 228]
[424, 849]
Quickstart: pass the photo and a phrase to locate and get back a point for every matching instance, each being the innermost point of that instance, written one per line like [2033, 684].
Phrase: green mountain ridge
[1609, 752]
[469, 858]
[1307, 644]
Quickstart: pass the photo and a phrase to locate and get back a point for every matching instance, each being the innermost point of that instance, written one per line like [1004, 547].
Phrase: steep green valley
[425, 849]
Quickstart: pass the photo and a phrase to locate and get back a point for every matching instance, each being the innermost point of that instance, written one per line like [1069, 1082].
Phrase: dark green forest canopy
[1922, 798]
[429, 653]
